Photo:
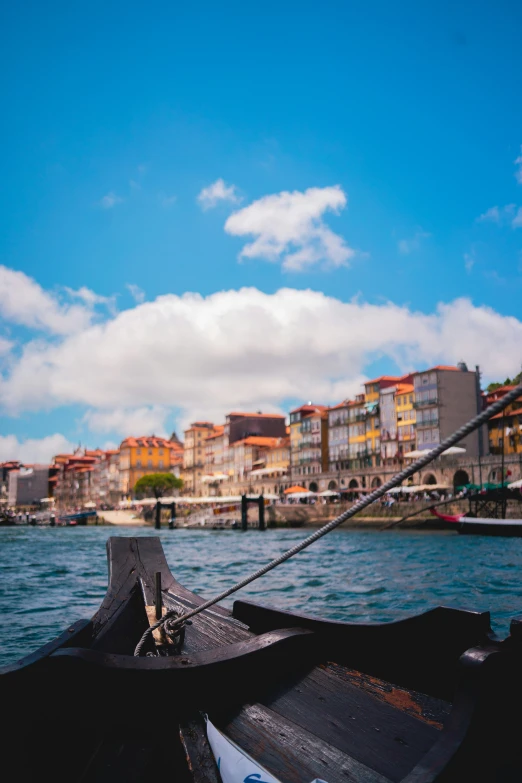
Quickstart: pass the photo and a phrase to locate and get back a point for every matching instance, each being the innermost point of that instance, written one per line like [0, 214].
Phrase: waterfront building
[213, 471]
[446, 397]
[277, 461]
[74, 484]
[391, 448]
[372, 400]
[106, 477]
[28, 485]
[360, 443]
[194, 455]
[5, 469]
[505, 429]
[308, 440]
[142, 456]
[406, 416]
[338, 442]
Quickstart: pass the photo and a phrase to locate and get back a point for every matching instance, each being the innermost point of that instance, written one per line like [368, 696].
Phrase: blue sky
[395, 130]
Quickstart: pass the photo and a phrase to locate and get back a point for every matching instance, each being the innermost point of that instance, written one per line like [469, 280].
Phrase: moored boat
[434, 697]
[480, 526]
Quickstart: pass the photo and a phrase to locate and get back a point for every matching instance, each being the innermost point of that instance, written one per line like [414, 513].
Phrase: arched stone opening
[376, 482]
[313, 486]
[332, 485]
[429, 478]
[354, 484]
[460, 478]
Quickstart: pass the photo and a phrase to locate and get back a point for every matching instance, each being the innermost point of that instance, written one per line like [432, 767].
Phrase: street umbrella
[293, 490]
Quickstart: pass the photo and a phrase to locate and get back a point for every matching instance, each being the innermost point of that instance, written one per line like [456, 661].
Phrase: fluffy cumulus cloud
[289, 228]
[204, 356]
[32, 450]
[138, 421]
[210, 196]
[24, 302]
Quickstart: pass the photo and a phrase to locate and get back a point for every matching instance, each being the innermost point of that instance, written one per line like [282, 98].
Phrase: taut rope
[175, 622]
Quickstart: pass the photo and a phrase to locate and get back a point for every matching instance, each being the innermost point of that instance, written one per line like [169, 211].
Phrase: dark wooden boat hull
[490, 527]
[430, 698]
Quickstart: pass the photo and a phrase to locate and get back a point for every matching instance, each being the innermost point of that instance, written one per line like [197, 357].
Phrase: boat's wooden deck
[330, 722]
[316, 701]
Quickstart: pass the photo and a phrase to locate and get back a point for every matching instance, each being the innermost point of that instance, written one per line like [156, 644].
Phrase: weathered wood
[356, 722]
[289, 752]
[200, 759]
[420, 652]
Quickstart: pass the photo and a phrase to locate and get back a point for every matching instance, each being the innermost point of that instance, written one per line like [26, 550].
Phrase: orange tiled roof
[257, 440]
[343, 404]
[517, 412]
[149, 442]
[384, 378]
[309, 408]
[404, 388]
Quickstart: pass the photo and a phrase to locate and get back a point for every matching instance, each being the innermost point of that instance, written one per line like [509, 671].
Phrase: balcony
[424, 403]
[427, 423]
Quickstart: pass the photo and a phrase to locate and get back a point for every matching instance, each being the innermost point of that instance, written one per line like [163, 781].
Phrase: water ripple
[52, 577]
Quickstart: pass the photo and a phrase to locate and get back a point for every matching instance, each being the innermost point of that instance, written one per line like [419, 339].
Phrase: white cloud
[517, 220]
[132, 421]
[491, 215]
[136, 292]
[110, 200]
[498, 215]
[218, 191]
[5, 346]
[518, 168]
[245, 349]
[33, 450]
[289, 227]
[406, 246]
[23, 301]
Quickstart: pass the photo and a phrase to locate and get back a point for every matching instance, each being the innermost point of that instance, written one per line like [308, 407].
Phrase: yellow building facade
[142, 456]
[406, 417]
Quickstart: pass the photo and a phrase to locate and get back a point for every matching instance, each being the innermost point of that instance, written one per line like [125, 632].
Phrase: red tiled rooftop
[500, 415]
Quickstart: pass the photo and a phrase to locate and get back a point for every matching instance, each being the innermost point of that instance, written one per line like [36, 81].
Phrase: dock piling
[158, 516]
[261, 505]
[244, 512]
[172, 519]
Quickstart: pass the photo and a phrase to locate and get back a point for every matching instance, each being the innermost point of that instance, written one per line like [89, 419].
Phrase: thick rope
[420, 463]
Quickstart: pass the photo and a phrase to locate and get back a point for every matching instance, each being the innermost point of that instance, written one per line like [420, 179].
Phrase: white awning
[422, 452]
[214, 477]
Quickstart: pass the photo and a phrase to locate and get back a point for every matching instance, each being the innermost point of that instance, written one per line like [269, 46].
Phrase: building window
[150, 452]
[149, 463]
[138, 451]
[138, 463]
[161, 452]
[160, 464]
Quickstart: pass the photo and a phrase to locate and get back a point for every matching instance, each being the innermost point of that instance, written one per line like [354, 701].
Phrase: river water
[50, 577]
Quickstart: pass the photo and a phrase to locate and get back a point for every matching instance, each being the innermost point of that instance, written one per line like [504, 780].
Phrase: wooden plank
[420, 652]
[200, 759]
[356, 722]
[291, 753]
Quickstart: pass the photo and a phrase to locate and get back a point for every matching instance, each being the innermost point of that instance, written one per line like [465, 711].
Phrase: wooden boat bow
[429, 698]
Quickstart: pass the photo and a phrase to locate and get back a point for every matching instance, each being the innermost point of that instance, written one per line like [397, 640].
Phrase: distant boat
[76, 518]
[481, 526]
